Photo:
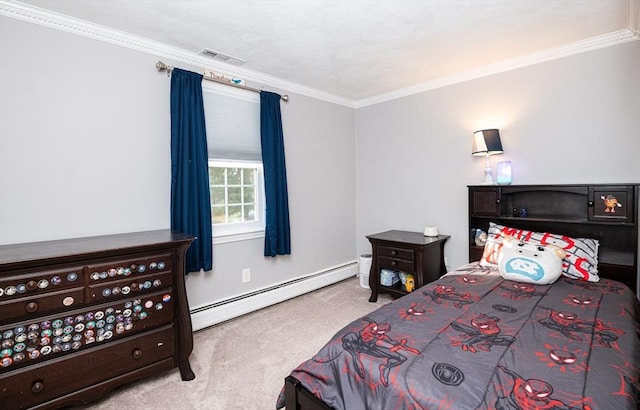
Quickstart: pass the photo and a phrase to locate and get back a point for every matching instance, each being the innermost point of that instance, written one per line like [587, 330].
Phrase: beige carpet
[242, 363]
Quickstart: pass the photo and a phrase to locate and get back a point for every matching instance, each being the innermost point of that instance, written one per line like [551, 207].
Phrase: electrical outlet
[246, 275]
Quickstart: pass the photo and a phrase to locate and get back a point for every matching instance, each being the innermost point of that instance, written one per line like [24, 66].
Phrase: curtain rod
[163, 67]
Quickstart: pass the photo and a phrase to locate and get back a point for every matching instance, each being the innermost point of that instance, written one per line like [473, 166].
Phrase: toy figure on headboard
[610, 203]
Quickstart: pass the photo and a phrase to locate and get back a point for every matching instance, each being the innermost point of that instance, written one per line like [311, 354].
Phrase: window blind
[232, 119]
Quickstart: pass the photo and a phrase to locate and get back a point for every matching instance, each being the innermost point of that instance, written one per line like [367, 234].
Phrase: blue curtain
[190, 198]
[277, 238]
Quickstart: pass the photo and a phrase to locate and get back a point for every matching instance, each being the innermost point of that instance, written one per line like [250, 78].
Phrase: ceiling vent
[223, 58]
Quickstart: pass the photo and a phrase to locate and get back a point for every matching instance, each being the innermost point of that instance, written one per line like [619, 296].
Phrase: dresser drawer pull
[31, 307]
[394, 253]
[137, 354]
[37, 386]
[394, 263]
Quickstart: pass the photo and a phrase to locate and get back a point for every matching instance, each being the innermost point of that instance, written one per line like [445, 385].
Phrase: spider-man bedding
[472, 340]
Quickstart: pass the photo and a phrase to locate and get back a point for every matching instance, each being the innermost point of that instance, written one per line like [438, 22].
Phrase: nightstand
[409, 252]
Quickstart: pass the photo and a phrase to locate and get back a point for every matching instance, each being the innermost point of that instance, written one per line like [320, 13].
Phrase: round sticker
[71, 277]
[68, 301]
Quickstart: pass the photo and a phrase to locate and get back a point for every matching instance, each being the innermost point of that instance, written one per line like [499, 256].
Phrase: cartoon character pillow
[580, 262]
[529, 262]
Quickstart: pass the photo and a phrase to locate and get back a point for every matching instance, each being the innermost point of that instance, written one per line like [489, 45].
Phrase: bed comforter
[472, 340]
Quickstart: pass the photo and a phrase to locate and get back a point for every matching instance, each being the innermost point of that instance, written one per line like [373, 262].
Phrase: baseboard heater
[217, 312]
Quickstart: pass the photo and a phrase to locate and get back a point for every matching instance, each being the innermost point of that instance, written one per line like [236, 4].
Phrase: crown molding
[594, 43]
[72, 25]
[50, 19]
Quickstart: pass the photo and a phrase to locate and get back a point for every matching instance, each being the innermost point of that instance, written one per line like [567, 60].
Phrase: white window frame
[241, 231]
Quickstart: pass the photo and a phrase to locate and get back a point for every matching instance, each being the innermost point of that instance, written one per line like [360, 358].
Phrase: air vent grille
[224, 58]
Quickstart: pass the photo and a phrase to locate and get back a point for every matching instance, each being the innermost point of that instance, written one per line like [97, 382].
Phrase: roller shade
[232, 122]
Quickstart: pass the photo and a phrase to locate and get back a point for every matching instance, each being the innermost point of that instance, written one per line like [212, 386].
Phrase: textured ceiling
[357, 49]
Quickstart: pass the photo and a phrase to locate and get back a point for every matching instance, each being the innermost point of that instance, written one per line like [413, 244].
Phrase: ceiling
[359, 49]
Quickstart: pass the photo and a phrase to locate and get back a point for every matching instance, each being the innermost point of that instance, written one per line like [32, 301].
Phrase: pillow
[580, 262]
[529, 262]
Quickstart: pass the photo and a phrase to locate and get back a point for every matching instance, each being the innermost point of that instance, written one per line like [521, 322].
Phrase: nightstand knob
[498, 201]
[37, 386]
[590, 204]
[137, 354]
[31, 307]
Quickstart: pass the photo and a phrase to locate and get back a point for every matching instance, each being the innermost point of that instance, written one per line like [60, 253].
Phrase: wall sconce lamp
[487, 143]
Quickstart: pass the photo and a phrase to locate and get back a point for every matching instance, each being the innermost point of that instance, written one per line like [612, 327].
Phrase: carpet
[241, 364]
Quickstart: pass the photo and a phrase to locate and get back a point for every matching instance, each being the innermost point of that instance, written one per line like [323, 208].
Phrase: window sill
[237, 237]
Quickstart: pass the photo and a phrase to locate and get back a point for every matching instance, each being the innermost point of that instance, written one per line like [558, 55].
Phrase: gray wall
[85, 150]
[571, 120]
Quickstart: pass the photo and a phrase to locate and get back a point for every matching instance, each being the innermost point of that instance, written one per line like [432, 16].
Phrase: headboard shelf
[606, 212]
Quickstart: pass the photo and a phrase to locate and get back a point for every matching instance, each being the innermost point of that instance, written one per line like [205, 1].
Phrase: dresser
[605, 212]
[408, 252]
[81, 316]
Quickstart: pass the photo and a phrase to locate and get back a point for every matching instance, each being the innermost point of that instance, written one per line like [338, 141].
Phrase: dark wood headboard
[571, 210]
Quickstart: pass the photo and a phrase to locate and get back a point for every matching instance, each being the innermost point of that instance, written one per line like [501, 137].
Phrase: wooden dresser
[79, 317]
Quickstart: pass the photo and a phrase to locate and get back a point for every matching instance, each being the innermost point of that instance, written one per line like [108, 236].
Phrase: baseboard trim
[227, 309]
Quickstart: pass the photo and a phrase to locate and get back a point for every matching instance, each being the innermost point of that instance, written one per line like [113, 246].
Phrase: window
[237, 198]
[235, 162]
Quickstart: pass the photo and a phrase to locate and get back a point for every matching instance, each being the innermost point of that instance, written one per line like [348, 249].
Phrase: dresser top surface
[68, 248]
[416, 238]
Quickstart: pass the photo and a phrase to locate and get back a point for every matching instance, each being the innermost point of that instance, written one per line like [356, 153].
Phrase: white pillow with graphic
[529, 262]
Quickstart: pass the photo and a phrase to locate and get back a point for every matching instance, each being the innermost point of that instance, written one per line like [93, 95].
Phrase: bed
[474, 339]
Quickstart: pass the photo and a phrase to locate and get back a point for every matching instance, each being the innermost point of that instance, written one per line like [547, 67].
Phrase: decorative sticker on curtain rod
[223, 77]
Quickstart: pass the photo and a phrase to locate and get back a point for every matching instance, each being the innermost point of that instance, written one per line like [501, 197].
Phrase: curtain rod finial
[163, 67]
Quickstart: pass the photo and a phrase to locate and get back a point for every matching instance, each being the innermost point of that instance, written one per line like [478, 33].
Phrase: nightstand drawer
[395, 253]
[396, 264]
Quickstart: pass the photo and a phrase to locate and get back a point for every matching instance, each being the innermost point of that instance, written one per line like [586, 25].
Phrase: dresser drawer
[49, 338]
[43, 304]
[128, 268]
[396, 264]
[129, 287]
[395, 253]
[39, 282]
[33, 385]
